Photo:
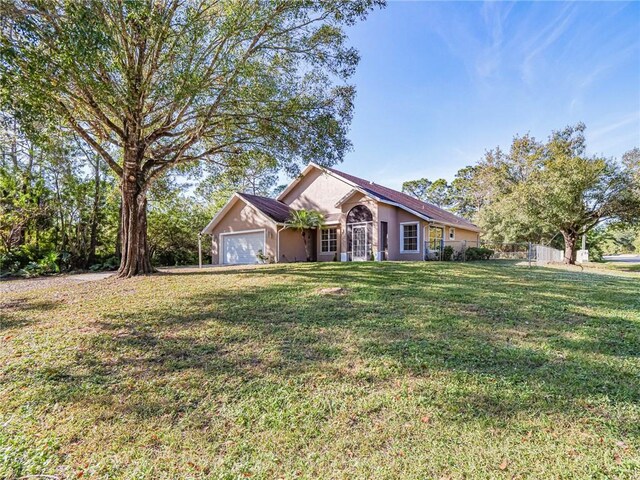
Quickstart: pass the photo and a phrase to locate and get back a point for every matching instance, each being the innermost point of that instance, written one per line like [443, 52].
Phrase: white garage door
[242, 247]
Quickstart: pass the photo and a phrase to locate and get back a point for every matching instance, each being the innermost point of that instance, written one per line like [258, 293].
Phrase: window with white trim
[409, 240]
[329, 240]
[452, 233]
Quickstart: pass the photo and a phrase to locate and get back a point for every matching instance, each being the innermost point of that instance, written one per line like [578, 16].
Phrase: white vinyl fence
[456, 251]
[546, 255]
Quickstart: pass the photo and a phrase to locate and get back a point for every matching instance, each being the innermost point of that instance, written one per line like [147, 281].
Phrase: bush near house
[478, 253]
[447, 253]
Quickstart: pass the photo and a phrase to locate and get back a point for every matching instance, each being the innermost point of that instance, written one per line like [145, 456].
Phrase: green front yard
[423, 370]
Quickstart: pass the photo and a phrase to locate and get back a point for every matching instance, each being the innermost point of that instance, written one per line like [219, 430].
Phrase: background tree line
[60, 204]
[547, 192]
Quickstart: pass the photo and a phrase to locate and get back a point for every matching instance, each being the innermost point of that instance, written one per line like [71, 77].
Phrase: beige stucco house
[363, 221]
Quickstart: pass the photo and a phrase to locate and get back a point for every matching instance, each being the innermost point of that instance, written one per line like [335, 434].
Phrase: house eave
[220, 215]
[357, 188]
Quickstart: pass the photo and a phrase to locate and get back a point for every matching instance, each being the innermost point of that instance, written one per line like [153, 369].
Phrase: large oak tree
[538, 190]
[158, 85]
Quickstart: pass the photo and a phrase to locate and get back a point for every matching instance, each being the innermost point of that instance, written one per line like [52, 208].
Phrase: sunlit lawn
[623, 266]
[422, 370]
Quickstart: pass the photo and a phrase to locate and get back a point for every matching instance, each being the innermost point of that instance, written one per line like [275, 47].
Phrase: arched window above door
[359, 214]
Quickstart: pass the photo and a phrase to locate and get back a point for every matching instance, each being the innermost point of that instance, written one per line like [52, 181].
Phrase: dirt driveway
[29, 284]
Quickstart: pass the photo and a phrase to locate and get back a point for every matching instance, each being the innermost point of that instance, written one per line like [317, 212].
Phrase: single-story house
[363, 221]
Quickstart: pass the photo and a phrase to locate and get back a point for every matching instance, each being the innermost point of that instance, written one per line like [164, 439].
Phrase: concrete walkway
[625, 258]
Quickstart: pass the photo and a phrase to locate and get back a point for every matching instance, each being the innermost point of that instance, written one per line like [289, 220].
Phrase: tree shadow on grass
[15, 313]
[500, 276]
[555, 346]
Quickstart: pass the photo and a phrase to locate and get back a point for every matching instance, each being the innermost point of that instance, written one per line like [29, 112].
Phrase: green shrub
[478, 253]
[458, 255]
[9, 263]
[447, 253]
[49, 263]
[16, 259]
[30, 270]
[111, 263]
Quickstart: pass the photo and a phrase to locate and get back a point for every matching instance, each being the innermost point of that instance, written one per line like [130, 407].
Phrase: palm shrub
[303, 221]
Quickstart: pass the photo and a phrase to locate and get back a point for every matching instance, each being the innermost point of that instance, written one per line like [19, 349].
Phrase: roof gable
[274, 209]
[384, 194]
[269, 208]
[296, 180]
[406, 201]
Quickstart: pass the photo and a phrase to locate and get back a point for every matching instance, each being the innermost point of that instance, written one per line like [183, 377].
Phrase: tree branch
[90, 140]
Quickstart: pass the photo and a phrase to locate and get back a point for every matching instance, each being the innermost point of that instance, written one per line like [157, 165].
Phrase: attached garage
[248, 224]
[242, 247]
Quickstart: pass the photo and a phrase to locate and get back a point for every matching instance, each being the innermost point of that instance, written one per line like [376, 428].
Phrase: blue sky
[440, 83]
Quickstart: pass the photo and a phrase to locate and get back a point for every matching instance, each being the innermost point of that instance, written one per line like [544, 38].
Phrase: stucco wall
[389, 214]
[470, 237]
[463, 238]
[402, 217]
[291, 246]
[239, 218]
[317, 191]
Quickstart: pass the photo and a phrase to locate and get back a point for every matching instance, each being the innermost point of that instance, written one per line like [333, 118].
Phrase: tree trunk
[20, 234]
[307, 251]
[570, 240]
[118, 248]
[135, 250]
[95, 213]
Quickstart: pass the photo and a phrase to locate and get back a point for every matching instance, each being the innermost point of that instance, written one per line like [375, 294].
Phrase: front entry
[359, 243]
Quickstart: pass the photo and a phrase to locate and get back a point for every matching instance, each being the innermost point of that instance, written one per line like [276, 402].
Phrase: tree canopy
[541, 189]
[538, 191]
[436, 192]
[154, 85]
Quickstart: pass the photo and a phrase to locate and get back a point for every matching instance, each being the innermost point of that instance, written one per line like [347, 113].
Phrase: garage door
[242, 247]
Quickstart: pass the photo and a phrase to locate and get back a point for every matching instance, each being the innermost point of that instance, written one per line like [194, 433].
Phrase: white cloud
[546, 37]
[612, 138]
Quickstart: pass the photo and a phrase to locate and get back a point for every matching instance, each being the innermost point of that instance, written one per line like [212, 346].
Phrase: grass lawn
[419, 370]
[623, 266]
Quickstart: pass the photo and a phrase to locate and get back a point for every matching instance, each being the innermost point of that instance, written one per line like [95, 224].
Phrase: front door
[359, 243]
